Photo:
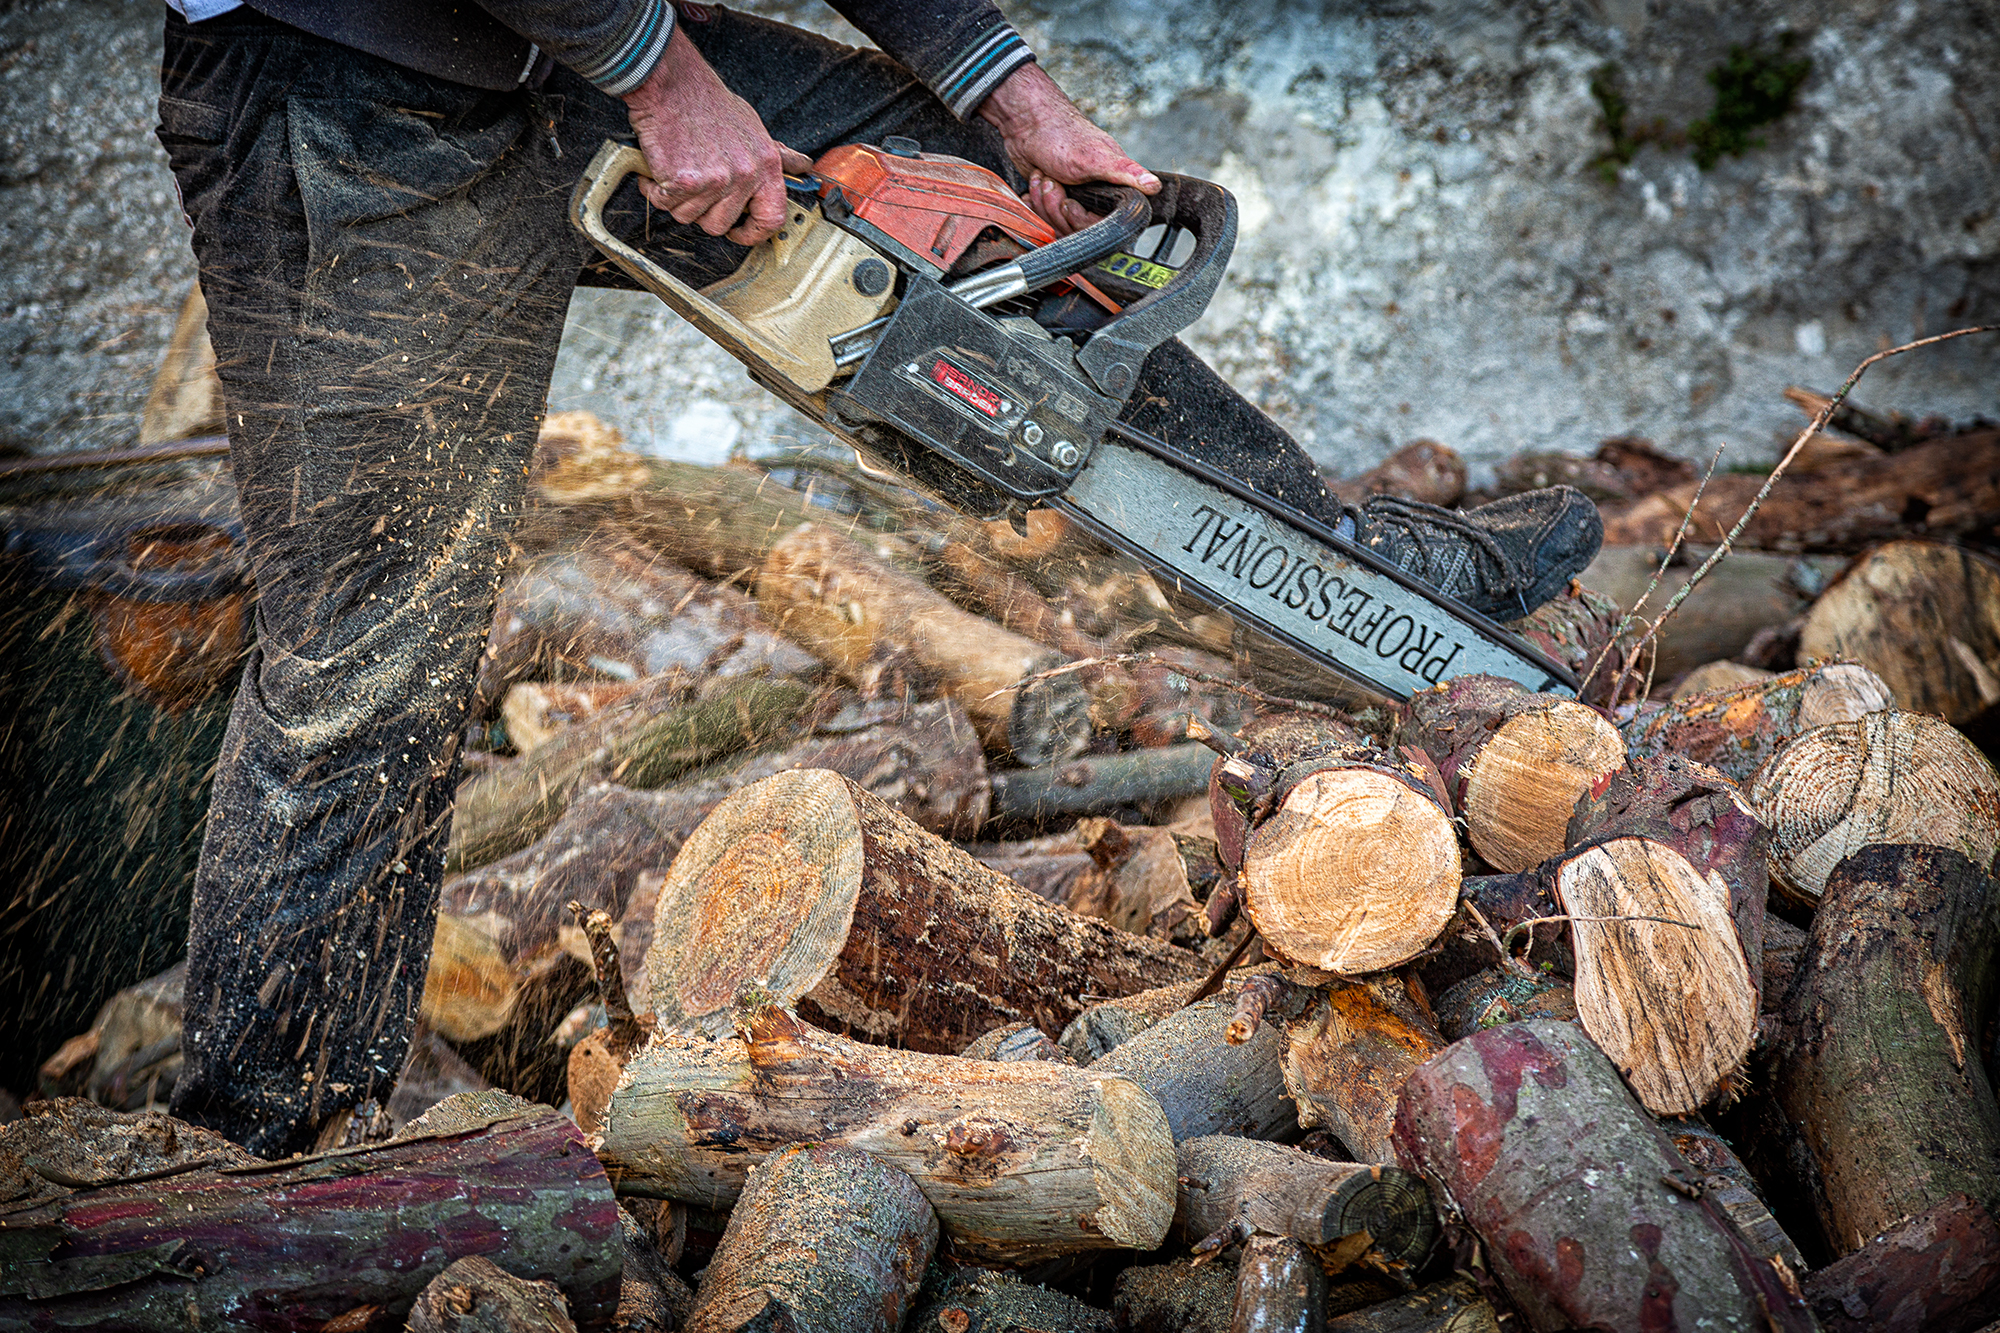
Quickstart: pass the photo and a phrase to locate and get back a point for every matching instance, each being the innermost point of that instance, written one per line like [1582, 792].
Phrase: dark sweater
[960, 49]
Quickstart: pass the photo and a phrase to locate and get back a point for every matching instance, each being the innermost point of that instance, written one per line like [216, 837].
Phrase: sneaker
[1502, 559]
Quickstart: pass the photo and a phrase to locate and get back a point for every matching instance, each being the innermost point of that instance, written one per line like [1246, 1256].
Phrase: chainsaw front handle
[1114, 352]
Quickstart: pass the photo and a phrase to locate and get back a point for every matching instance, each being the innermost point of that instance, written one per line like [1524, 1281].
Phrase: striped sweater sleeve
[960, 49]
[613, 43]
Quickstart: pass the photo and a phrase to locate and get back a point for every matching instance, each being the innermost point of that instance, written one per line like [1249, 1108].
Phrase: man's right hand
[711, 159]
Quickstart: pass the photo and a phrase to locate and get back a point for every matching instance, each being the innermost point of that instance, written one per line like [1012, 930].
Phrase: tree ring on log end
[1524, 782]
[761, 896]
[1357, 872]
[1131, 1151]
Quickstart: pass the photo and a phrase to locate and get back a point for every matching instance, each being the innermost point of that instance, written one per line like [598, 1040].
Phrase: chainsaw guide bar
[996, 413]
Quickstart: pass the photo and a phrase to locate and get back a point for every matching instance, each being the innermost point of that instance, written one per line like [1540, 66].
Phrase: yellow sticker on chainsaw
[1134, 269]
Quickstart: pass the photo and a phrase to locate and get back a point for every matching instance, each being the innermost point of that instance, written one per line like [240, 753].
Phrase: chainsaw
[921, 312]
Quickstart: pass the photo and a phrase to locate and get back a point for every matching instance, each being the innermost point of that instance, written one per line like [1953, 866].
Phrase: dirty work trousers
[387, 261]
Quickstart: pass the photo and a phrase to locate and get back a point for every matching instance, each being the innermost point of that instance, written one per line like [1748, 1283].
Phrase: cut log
[1528, 1132]
[476, 1295]
[1356, 870]
[1490, 908]
[1737, 730]
[1109, 1024]
[1347, 1059]
[1422, 470]
[872, 622]
[1925, 618]
[1023, 1160]
[1503, 995]
[1015, 1041]
[1892, 777]
[981, 1300]
[1711, 677]
[1576, 627]
[1662, 980]
[646, 742]
[1513, 762]
[1451, 1306]
[1137, 882]
[1883, 1067]
[1939, 1272]
[822, 1238]
[1182, 1295]
[1279, 1288]
[1728, 1184]
[1205, 1084]
[1248, 768]
[1281, 1191]
[1701, 814]
[807, 889]
[1942, 490]
[302, 1242]
[1102, 784]
[1740, 597]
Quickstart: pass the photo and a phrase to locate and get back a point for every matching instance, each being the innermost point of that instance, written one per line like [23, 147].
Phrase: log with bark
[1621, 471]
[1454, 1305]
[983, 1300]
[1422, 470]
[821, 1238]
[1102, 783]
[1109, 1024]
[1531, 1140]
[1580, 628]
[1514, 762]
[533, 712]
[1205, 1083]
[1503, 995]
[1883, 1064]
[1742, 596]
[1939, 1272]
[1239, 1186]
[1347, 1060]
[1185, 1296]
[809, 890]
[1022, 1160]
[222, 1243]
[1737, 730]
[1944, 489]
[1727, 1183]
[875, 624]
[1891, 777]
[1925, 618]
[476, 1295]
[1279, 1288]
[1015, 1041]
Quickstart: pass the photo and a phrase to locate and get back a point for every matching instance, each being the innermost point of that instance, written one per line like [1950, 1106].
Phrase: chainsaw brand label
[1300, 582]
[961, 385]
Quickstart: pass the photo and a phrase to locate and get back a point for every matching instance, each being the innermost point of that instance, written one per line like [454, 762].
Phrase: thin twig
[1153, 659]
[1818, 424]
[1492, 935]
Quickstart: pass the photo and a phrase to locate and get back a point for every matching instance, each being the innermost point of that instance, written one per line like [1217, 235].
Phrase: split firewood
[821, 1238]
[1054, 1160]
[1182, 1295]
[1503, 995]
[649, 740]
[1737, 730]
[1701, 814]
[1663, 983]
[1015, 1041]
[1938, 1272]
[1205, 1083]
[1347, 1060]
[1451, 1306]
[871, 622]
[1101, 784]
[1727, 1183]
[1581, 1201]
[1279, 1288]
[1137, 881]
[1422, 470]
[1513, 762]
[1882, 1068]
[1742, 596]
[315, 1238]
[1577, 627]
[613, 609]
[1238, 1186]
[1892, 777]
[1941, 490]
[476, 1295]
[809, 890]
[984, 1300]
[1925, 618]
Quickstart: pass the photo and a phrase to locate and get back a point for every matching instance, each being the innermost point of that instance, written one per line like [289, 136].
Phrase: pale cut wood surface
[1673, 1007]
[1523, 784]
[1892, 777]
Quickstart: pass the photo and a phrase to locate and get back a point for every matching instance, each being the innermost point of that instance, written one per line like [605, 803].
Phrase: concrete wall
[1429, 246]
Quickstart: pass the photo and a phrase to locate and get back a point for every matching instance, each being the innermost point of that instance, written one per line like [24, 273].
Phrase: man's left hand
[1053, 144]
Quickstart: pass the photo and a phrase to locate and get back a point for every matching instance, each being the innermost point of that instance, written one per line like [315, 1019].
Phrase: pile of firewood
[926, 924]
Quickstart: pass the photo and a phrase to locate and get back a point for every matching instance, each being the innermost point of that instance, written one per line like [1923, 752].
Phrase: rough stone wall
[1429, 246]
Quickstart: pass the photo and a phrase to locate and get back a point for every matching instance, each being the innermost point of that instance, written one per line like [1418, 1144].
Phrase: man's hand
[711, 159]
[1053, 145]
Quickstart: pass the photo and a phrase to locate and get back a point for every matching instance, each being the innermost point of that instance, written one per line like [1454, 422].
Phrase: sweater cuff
[631, 55]
[980, 67]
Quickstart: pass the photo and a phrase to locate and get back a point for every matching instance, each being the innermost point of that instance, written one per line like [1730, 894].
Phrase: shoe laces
[1413, 516]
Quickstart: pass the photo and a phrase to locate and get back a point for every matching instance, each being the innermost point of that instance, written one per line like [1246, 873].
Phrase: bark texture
[476, 1295]
[1279, 1288]
[1737, 730]
[1451, 1306]
[1205, 1084]
[1349, 1056]
[1281, 1191]
[1102, 784]
[1939, 1272]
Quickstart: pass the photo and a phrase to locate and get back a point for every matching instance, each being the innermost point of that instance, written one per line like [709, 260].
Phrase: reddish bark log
[1939, 1272]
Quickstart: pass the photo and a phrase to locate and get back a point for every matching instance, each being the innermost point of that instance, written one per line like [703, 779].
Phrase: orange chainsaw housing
[934, 204]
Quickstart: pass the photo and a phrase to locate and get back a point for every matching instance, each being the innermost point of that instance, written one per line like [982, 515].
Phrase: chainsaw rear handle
[1114, 352]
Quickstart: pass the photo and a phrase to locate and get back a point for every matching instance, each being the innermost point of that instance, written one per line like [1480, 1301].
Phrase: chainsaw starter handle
[1114, 353]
